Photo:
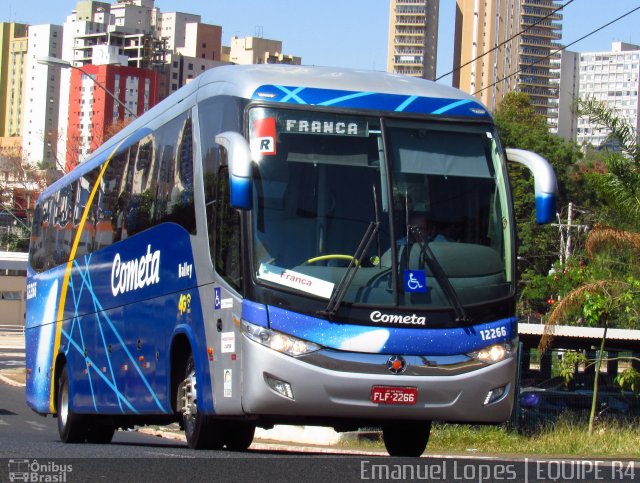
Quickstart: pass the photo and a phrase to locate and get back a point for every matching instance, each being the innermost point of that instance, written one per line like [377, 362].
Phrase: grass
[566, 438]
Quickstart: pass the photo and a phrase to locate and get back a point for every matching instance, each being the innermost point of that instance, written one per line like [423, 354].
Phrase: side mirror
[546, 184]
[239, 160]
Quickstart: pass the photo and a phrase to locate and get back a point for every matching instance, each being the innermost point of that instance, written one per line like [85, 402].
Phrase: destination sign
[333, 126]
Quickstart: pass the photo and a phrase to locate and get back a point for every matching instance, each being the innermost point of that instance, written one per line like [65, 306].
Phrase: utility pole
[569, 220]
[566, 240]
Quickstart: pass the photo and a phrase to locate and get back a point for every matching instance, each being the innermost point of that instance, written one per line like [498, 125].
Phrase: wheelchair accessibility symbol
[415, 281]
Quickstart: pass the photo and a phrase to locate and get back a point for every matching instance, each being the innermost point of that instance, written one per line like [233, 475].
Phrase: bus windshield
[435, 192]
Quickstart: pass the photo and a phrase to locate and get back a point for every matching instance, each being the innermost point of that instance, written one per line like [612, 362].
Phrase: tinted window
[143, 190]
[174, 200]
[227, 252]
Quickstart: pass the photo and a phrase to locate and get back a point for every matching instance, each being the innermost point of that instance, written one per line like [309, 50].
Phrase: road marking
[36, 426]
[6, 380]
[3, 423]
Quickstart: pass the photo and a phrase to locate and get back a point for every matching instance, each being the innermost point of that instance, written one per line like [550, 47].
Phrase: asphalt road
[31, 451]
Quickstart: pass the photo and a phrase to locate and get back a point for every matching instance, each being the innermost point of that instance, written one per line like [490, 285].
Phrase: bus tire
[71, 426]
[99, 433]
[239, 436]
[199, 429]
[406, 438]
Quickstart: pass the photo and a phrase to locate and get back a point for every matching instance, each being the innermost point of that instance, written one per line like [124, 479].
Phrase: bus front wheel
[71, 426]
[406, 438]
[199, 428]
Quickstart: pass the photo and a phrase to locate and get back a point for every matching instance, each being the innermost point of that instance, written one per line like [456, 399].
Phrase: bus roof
[301, 85]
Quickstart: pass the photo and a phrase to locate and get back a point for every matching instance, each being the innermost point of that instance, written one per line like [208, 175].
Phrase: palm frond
[572, 300]
[619, 129]
[601, 237]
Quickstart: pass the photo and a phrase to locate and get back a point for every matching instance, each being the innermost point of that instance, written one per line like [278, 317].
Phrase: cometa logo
[412, 319]
[136, 273]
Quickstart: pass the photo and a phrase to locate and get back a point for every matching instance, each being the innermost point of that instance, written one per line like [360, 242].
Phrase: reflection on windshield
[322, 179]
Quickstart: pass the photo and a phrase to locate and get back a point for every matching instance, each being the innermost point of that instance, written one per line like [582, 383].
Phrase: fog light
[495, 394]
[281, 387]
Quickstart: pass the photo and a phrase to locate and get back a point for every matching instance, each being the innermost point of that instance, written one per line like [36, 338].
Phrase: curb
[268, 444]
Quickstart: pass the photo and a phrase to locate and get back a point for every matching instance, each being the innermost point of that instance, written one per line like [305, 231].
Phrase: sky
[348, 33]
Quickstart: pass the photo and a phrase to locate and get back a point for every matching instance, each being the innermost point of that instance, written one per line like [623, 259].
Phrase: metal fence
[544, 401]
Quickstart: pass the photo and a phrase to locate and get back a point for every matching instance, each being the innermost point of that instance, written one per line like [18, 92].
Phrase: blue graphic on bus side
[217, 298]
[114, 345]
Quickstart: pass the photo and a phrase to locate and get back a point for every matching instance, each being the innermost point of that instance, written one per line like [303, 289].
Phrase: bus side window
[84, 186]
[140, 212]
[36, 254]
[112, 200]
[174, 201]
[227, 261]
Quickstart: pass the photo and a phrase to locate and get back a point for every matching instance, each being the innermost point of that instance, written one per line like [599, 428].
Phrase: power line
[506, 41]
[559, 50]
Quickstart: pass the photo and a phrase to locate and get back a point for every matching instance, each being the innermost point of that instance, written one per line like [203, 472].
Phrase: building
[180, 70]
[562, 119]
[413, 37]
[612, 77]
[202, 41]
[42, 96]
[13, 55]
[87, 18]
[258, 50]
[201, 49]
[13, 279]
[173, 26]
[504, 46]
[92, 111]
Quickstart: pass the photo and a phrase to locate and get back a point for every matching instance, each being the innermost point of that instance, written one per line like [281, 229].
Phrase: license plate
[394, 395]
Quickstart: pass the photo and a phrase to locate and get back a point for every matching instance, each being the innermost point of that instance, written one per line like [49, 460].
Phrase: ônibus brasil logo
[135, 274]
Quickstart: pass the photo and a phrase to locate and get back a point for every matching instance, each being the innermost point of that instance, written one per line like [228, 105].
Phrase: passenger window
[143, 192]
[174, 201]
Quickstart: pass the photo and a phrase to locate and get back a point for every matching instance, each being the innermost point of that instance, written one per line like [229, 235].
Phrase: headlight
[494, 353]
[278, 341]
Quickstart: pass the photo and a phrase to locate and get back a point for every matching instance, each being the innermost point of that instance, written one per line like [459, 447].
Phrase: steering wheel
[332, 256]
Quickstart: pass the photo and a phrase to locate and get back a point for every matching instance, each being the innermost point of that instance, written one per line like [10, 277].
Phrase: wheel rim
[190, 401]
[63, 410]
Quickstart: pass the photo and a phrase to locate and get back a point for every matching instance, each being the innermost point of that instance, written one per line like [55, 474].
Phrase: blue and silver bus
[282, 245]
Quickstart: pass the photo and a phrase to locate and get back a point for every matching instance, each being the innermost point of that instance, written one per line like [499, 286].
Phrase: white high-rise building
[564, 76]
[42, 95]
[612, 77]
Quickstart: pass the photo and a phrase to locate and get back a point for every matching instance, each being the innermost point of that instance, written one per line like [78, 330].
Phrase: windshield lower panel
[428, 201]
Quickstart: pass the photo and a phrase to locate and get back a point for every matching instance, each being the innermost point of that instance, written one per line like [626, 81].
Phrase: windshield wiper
[440, 275]
[350, 272]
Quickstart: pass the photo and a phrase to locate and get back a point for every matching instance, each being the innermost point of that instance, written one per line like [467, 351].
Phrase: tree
[521, 127]
[20, 187]
[617, 178]
[610, 291]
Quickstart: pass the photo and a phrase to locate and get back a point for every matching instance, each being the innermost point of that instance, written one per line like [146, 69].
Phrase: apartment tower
[611, 77]
[413, 38]
[504, 46]
[13, 60]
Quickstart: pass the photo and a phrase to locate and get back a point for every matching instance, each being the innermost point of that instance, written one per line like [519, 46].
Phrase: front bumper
[323, 393]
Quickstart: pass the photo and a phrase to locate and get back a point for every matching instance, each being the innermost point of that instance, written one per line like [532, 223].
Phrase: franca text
[135, 274]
